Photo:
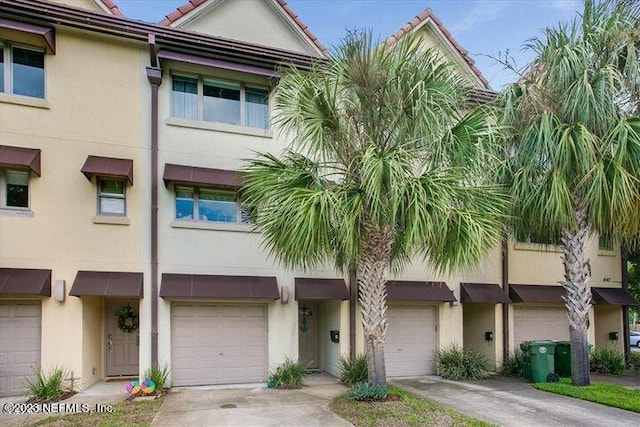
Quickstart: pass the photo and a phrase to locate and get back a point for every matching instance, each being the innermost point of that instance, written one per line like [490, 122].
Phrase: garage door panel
[411, 340]
[20, 325]
[540, 323]
[219, 343]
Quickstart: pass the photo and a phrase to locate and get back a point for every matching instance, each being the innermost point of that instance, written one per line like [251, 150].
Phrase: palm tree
[574, 154]
[385, 164]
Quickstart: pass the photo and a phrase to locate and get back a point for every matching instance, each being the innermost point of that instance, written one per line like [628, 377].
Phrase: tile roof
[428, 14]
[193, 4]
[112, 7]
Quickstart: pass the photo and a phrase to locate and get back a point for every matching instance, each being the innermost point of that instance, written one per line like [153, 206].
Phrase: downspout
[353, 298]
[505, 306]
[625, 309]
[154, 75]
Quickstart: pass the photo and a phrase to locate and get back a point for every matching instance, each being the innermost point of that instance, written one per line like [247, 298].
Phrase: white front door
[122, 347]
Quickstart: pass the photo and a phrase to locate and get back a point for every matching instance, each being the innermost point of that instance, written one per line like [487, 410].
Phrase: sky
[486, 28]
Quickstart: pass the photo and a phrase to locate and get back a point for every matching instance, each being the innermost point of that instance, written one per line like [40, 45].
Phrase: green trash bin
[563, 357]
[542, 360]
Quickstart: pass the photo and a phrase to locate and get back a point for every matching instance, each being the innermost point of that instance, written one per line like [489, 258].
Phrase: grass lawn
[606, 394]
[128, 413]
[409, 411]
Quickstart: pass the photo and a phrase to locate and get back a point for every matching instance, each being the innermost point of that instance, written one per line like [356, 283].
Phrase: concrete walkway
[513, 402]
[99, 396]
[255, 406]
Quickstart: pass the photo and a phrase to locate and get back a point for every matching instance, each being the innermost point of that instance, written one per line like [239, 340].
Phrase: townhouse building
[124, 241]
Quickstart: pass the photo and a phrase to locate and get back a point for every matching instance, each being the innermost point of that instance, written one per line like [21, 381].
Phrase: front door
[121, 342]
[308, 348]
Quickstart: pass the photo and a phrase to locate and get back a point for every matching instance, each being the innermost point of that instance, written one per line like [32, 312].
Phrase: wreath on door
[127, 319]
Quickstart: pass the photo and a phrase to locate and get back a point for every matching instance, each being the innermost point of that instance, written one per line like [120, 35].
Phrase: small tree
[389, 160]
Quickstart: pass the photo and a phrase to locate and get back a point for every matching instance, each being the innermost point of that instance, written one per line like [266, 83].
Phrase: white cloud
[481, 13]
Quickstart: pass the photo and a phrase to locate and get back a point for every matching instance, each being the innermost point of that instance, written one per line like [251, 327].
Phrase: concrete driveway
[513, 402]
[257, 406]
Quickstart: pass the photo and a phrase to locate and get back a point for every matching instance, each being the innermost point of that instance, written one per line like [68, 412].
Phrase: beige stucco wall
[478, 319]
[253, 21]
[608, 318]
[93, 107]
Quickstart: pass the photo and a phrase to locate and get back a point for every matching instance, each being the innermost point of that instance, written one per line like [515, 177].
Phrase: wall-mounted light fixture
[59, 290]
[284, 295]
[488, 336]
[305, 313]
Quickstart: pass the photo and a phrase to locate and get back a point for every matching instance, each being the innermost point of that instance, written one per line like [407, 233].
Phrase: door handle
[109, 343]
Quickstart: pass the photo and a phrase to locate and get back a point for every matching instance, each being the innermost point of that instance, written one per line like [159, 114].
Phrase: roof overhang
[419, 291]
[483, 293]
[216, 63]
[47, 33]
[212, 286]
[536, 293]
[20, 157]
[108, 167]
[25, 281]
[321, 289]
[205, 176]
[107, 284]
[613, 296]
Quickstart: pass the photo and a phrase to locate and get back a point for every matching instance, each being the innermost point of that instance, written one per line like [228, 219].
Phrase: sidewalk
[101, 393]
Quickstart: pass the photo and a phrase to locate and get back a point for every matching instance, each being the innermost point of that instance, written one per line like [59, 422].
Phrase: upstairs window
[15, 189]
[605, 242]
[22, 71]
[210, 204]
[220, 101]
[111, 197]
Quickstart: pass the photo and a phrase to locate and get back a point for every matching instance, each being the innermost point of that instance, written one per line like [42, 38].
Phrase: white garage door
[218, 343]
[411, 340]
[19, 344]
[540, 323]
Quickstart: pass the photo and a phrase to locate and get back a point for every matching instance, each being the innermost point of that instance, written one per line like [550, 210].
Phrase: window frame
[607, 238]
[3, 189]
[196, 189]
[100, 195]
[6, 49]
[200, 83]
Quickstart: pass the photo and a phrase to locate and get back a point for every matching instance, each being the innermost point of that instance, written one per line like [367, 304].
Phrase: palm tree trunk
[373, 298]
[578, 298]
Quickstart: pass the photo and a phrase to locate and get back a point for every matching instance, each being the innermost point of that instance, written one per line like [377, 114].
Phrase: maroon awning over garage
[107, 284]
[25, 281]
[210, 286]
[612, 296]
[483, 293]
[108, 167]
[319, 289]
[536, 293]
[399, 290]
[207, 176]
[20, 157]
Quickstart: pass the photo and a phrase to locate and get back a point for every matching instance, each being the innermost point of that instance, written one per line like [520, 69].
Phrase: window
[111, 197]
[15, 189]
[605, 242]
[220, 102]
[22, 71]
[209, 204]
[538, 239]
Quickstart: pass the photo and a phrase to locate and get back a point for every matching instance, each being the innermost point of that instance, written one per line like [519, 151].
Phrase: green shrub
[512, 365]
[457, 363]
[159, 375]
[634, 361]
[607, 361]
[368, 391]
[353, 370]
[45, 387]
[288, 375]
